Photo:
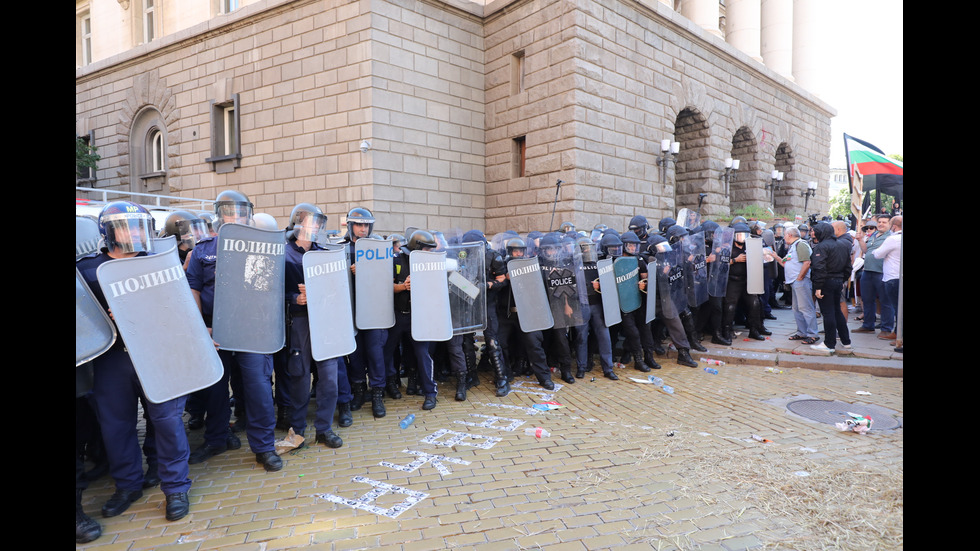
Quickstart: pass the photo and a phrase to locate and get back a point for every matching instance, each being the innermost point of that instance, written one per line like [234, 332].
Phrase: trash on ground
[537, 432]
[758, 438]
[290, 442]
[863, 393]
[801, 473]
[773, 370]
[711, 361]
[858, 423]
[711, 370]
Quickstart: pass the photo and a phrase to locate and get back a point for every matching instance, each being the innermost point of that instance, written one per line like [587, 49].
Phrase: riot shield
[86, 236]
[164, 244]
[431, 316]
[467, 287]
[374, 296]
[753, 266]
[249, 289]
[688, 218]
[627, 270]
[610, 295]
[721, 248]
[695, 269]
[530, 296]
[670, 283]
[161, 325]
[327, 280]
[651, 311]
[561, 276]
[94, 331]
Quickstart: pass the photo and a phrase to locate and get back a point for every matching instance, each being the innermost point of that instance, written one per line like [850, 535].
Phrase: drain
[832, 411]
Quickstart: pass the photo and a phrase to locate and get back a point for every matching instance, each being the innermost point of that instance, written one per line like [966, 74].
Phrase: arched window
[155, 148]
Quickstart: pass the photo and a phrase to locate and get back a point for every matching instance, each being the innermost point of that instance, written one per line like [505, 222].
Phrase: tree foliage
[85, 156]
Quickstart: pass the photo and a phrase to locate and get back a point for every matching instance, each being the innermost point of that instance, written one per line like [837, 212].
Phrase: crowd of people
[558, 298]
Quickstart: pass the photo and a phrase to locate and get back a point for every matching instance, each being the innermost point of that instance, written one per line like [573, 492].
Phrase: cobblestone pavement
[626, 466]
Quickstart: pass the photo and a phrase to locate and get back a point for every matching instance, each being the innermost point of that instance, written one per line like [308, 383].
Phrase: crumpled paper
[857, 423]
[290, 442]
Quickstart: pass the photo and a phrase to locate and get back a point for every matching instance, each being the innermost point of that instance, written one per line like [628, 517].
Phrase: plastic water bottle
[773, 370]
[408, 420]
[709, 361]
[711, 370]
[667, 389]
[537, 432]
[656, 380]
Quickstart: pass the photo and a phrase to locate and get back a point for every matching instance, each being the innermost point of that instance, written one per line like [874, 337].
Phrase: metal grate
[832, 411]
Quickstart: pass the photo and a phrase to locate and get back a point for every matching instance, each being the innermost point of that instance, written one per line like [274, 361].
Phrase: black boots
[344, 417]
[648, 358]
[638, 362]
[392, 388]
[461, 387]
[684, 358]
[378, 402]
[687, 320]
[359, 391]
[719, 338]
[499, 368]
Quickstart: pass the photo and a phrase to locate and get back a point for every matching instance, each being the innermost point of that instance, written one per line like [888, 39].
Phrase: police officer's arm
[406, 286]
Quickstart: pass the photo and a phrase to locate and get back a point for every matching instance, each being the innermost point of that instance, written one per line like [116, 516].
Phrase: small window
[520, 156]
[86, 158]
[226, 151]
[156, 149]
[517, 73]
[86, 39]
[149, 13]
[228, 6]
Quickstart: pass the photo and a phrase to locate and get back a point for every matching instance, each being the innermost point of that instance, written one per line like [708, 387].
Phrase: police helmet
[742, 231]
[550, 247]
[265, 221]
[639, 225]
[658, 244]
[420, 239]
[676, 233]
[587, 248]
[516, 244]
[666, 223]
[186, 226]
[736, 220]
[359, 215]
[566, 227]
[397, 240]
[631, 243]
[231, 206]
[306, 221]
[611, 245]
[126, 227]
[474, 236]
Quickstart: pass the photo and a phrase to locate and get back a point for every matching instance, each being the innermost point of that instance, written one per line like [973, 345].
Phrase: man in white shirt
[891, 252]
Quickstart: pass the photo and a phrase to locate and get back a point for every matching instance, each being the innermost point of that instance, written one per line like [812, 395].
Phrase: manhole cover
[832, 411]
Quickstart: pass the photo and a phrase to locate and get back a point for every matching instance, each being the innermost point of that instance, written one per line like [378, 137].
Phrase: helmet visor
[128, 232]
[192, 231]
[233, 213]
[310, 227]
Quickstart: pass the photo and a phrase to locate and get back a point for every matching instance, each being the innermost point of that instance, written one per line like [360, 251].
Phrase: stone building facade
[454, 114]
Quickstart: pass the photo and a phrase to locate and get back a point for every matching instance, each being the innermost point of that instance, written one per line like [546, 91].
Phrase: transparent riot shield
[467, 287]
[688, 218]
[249, 289]
[610, 295]
[160, 324]
[561, 278]
[327, 279]
[374, 292]
[164, 244]
[431, 316]
[755, 284]
[721, 250]
[670, 283]
[651, 311]
[627, 270]
[695, 269]
[530, 297]
[86, 236]
[94, 331]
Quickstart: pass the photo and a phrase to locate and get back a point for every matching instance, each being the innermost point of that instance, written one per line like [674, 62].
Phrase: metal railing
[149, 200]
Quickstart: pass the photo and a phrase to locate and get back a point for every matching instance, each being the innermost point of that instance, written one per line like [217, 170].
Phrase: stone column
[777, 36]
[809, 26]
[743, 26]
[704, 13]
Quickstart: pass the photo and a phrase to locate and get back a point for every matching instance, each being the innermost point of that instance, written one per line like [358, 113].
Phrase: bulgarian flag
[869, 169]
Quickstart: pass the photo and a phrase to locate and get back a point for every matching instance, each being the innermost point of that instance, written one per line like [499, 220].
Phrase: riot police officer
[126, 229]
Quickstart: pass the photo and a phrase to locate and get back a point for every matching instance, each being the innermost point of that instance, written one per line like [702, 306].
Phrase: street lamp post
[673, 148]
